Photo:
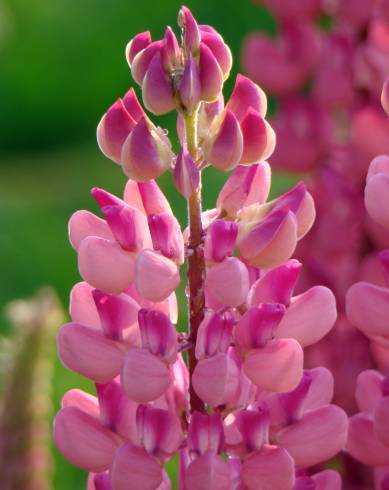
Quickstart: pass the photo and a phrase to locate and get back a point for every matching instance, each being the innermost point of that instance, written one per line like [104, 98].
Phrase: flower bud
[190, 86]
[228, 282]
[247, 94]
[159, 432]
[219, 48]
[136, 45]
[224, 148]
[158, 334]
[258, 138]
[144, 377]
[190, 30]
[245, 186]
[146, 153]
[216, 379]
[170, 52]
[167, 236]
[142, 60]
[278, 366]
[257, 325]
[113, 130]
[186, 174]
[157, 90]
[220, 240]
[156, 276]
[211, 76]
[205, 434]
[214, 334]
[276, 285]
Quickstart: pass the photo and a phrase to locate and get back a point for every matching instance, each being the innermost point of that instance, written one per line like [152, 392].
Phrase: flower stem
[196, 263]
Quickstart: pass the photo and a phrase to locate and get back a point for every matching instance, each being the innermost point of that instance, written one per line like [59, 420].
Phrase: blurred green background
[62, 65]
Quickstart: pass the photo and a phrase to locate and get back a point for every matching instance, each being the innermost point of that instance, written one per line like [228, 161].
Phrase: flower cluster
[327, 67]
[367, 306]
[231, 397]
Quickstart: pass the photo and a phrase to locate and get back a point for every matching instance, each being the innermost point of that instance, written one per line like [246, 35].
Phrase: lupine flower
[241, 412]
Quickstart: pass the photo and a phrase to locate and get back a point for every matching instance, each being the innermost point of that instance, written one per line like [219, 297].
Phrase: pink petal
[247, 94]
[159, 431]
[186, 175]
[156, 277]
[190, 85]
[83, 224]
[246, 185]
[105, 265]
[381, 421]
[132, 195]
[328, 480]
[276, 367]
[276, 285]
[224, 150]
[219, 49]
[144, 376]
[228, 282]
[376, 197]
[385, 96]
[270, 242]
[157, 89]
[133, 464]
[220, 240]
[89, 353]
[363, 444]
[113, 129]
[117, 313]
[205, 434]
[208, 472]
[321, 390]
[82, 306]
[258, 138]
[142, 60]
[271, 468]
[368, 391]
[84, 401]
[310, 316]
[318, 436]
[211, 76]
[379, 165]
[216, 379]
[154, 200]
[145, 153]
[367, 308]
[139, 42]
[83, 440]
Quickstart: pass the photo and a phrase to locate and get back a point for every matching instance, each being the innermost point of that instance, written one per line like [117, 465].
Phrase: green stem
[196, 263]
